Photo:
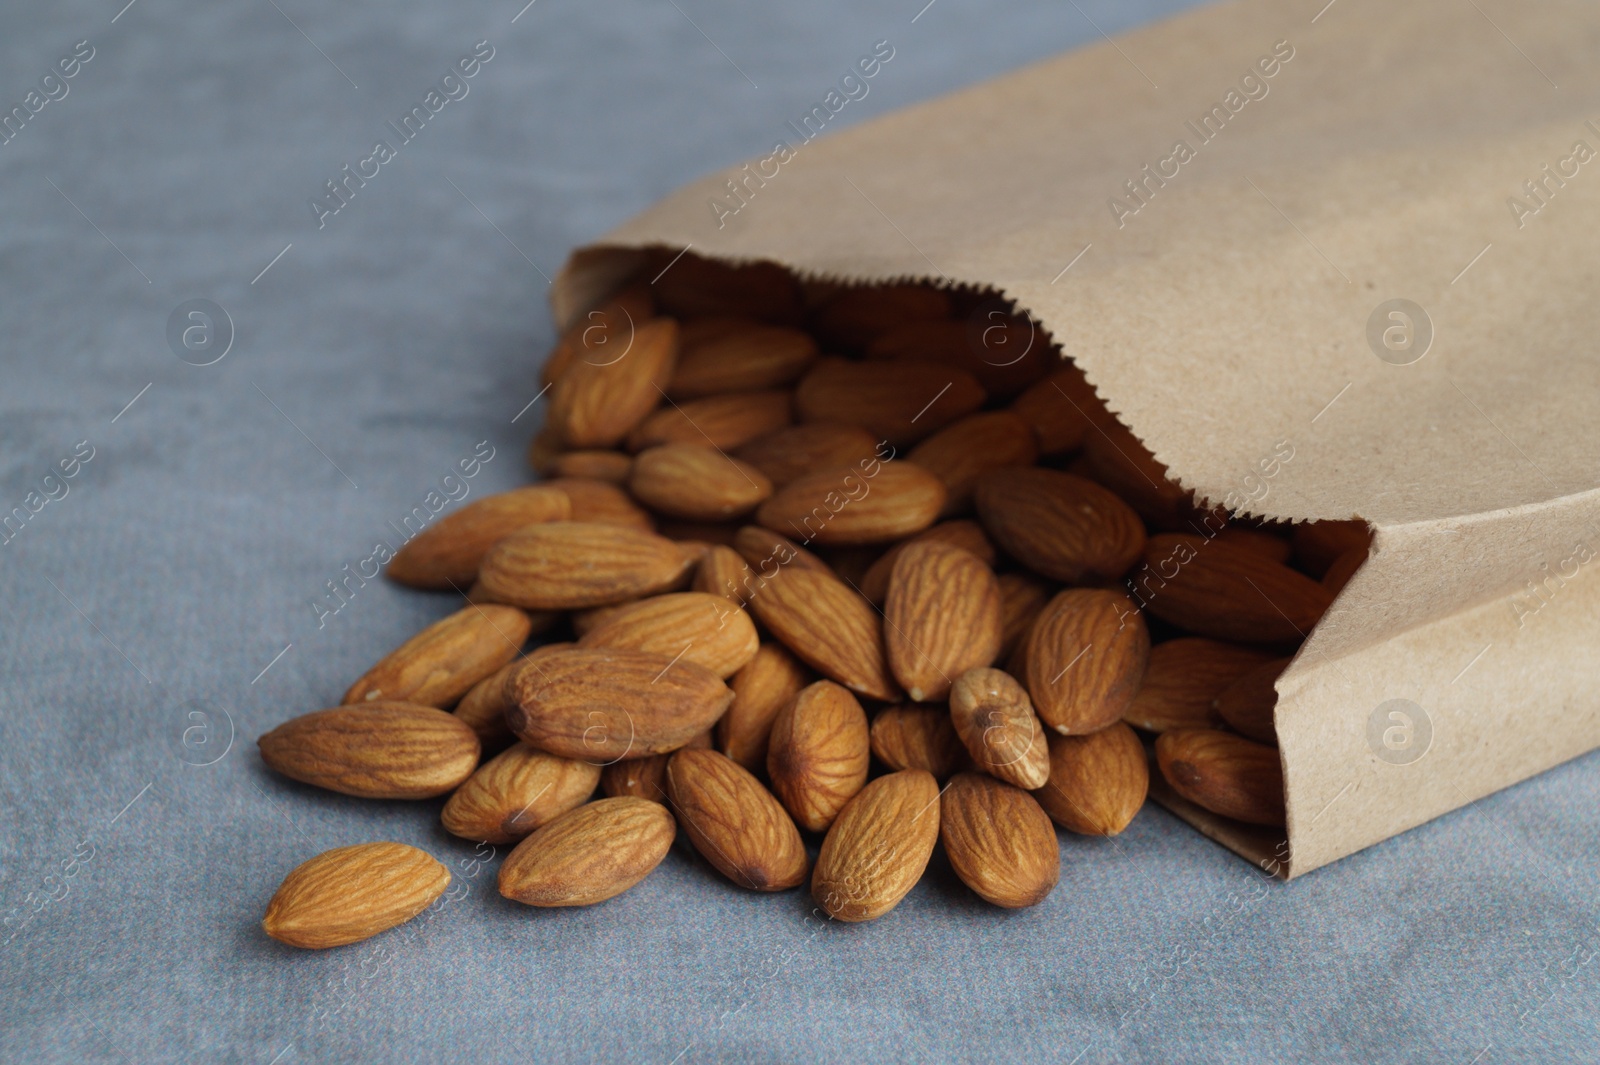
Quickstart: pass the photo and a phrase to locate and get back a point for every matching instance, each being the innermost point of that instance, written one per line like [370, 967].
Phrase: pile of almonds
[870, 566]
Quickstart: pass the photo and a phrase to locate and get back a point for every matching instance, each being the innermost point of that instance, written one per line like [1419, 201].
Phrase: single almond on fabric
[818, 753]
[1063, 410]
[604, 393]
[855, 317]
[1224, 773]
[829, 627]
[1258, 540]
[1225, 592]
[685, 626]
[963, 453]
[590, 854]
[349, 894]
[1022, 597]
[612, 467]
[602, 332]
[375, 751]
[515, 792]
[870, 503]
[1183, 680]
[993, 716]
[697, 483]
[741, 358]
[1317, 545]
[1247, 705]
[963, 533]
[603, 503]
[999, 842]
[878, 847]
[600, 703]
[762, 688]
[792, 452]
[1060, 526]
[1117, 460]
[1086, 658]
[644, 778]
[941, 618]
[767, 552]
[724, 572]
[692, 287]
[571, 565]
[726, 422]
[446, 554]
[735, 823]
[1097, 782]
[1005, 353]
[900, 402]
[441, 663]
[917, 737]
[1344, 567]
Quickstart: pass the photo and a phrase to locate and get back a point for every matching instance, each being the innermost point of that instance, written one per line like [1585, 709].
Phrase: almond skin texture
[644, 778]
[516, 792]
[829, 627]
[961, 454]
[725, 422]
[735, 823]
[762, 688]
[1063, 410]
[818, 754]
[612, 467]
[917, 737]
[870, 503]
[796, 450]
[484, 708]
[440, 664]
[569, 565]
[1226, 592]
[1183, 680]
[602, 332]
[999, 842]
[1248, 703]
[878, 848]
[723, 572]
[446, 554]
[1004, 353]
[590, 854]
[375, 750]
[942, 618]
[603, 503]
[602, 704]
[603, 394]
[1223, 773]
[742, 358]
[352, 893]
[1022, 598]
[1117, 459]
[963, 533]
[1086, 657]
[703, 629]
[1060, 526]
[696, 483]
[995, 720]
[1097, 782]
[767, 552]
[900, 402]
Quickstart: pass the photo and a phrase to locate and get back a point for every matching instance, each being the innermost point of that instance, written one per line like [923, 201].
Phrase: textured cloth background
[160, 609]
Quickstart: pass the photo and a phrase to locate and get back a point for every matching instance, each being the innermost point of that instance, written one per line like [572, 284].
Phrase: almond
[792, 452]
[696, 483]
[1247, 705]
[352, 893]
[767, 552]
[1022, 598]
[1223, 773]
[742, 358]
[441, 663]
[1225, 592]
[1318, 544]
[1062, 410]
[723, 572]
[818, 753]
[1183, 680]
[1344, 567]
[917, 737]
[1118, 460]
[1004, 353]
[1097, 782]
[586, 621]
[899, 402]
[570, 565]
[375, 751]
[942, 618]
[612, 467]
[446, 554]
[604, 394]
[1060, 526]
[999, 842]
[516, 792]
[603, 504]
[993, 716]
[602, 704]
[692, 287]
[602, 332]
[726, 422]
[735, 823]
[685, 626]
[962, 533]
[878, 847]
[856, 316]
[870, 503]
[961, 454]
[829, 627]
[1258, 540]
[1086, 658]
[762, 688]
[484, 707]
[588, 855]
[644, 778]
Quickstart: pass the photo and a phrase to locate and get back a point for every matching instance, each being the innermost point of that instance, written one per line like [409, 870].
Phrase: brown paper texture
[1233, 295]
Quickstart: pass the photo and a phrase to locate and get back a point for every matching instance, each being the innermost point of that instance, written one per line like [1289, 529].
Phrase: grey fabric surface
[159, 611]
